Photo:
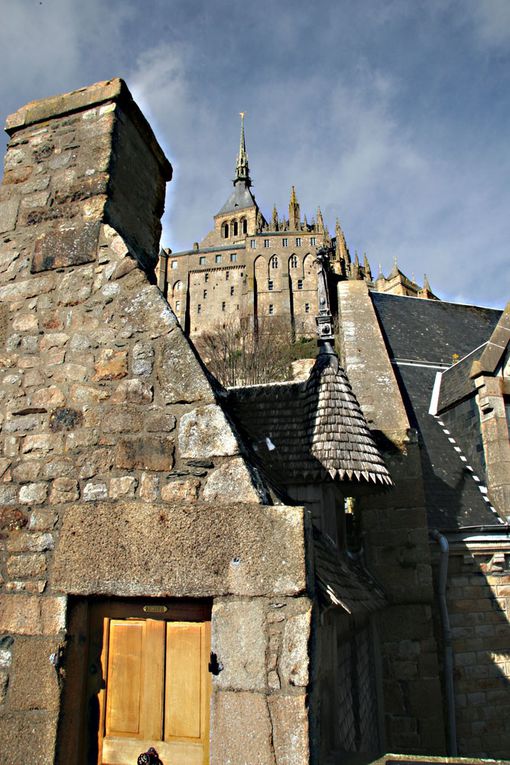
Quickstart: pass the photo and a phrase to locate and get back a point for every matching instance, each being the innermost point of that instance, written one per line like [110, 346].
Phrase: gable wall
[120, 474]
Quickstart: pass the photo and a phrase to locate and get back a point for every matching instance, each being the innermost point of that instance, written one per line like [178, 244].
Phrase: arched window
[235, 227]
[225, 231]
[293, 261]
[244, 226]
[274, 262]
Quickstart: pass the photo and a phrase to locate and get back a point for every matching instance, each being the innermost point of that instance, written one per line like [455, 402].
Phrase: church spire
[242, 169]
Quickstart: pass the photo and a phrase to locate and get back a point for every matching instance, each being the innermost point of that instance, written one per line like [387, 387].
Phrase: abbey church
[247, 269]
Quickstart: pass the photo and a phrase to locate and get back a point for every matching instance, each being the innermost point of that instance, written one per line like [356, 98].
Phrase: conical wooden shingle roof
[338, 432]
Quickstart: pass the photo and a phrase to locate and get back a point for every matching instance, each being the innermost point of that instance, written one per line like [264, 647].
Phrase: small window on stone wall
[205, 294]
[233, 257]
[274, 262]
[312, 240]
[217, 258]
[225, 231]
[285, 242]
[174, 264]
[235, 227]
[266, 242]
[223, 306]
[199, 308]
[231, 290]
[227, 275]
[307, 307]
[298, 241]
[253, 244]
[202, 261]
[206, 277]
[177, 306]
[300, 284]
[245, 226]
[270, 285]
[271, 309]
[293, 261]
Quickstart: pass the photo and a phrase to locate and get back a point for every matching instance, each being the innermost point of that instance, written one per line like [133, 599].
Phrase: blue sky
[391, 114]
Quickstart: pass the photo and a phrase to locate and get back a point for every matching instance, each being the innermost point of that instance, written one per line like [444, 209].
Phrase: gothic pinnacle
[320, 221]
[294, 215]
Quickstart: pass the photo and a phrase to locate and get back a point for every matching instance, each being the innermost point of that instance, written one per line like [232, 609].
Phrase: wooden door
[156, 690]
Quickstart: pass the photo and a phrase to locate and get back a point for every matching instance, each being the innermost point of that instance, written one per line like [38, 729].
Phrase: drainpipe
[447, 641]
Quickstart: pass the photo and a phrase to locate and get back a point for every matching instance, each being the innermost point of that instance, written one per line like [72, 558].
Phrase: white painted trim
[434, 401]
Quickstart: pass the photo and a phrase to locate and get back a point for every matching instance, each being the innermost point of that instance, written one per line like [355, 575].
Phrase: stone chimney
[76, 161]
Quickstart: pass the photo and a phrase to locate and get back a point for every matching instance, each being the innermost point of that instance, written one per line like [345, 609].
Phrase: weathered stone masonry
[120, 474]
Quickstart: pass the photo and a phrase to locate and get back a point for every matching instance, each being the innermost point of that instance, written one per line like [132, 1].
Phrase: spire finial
[242, 169]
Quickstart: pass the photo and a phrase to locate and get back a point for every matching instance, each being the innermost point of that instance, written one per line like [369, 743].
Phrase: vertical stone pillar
[395, 537]
[75, 161]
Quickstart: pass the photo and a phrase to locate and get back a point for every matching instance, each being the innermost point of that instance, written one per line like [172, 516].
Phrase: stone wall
[395, 538]
[261, 292]
[479, 605]
[120, 474]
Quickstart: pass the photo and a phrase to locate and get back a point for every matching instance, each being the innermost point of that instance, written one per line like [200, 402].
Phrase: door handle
[150, 757]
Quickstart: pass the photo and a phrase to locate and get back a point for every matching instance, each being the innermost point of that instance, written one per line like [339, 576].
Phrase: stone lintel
[107, 91]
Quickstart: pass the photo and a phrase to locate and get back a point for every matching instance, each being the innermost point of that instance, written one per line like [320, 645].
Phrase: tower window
[271, 309]
[266, 242]
[217, 258]
[298, 241]
[270, 285]
[285, 242]
[233, 257]
[274, 262]
[235, 227]
[225, 231]
[245, 226]
[293, 261]
[202, 261]
[300, 284]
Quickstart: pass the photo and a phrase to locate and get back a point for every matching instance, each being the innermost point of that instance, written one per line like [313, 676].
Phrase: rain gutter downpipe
[447, 641]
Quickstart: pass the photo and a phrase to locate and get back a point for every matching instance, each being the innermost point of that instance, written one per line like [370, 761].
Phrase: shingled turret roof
[308, 430]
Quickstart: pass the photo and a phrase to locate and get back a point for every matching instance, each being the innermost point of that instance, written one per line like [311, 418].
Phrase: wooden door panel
[124, 678]
[125, 751]
[183, 711]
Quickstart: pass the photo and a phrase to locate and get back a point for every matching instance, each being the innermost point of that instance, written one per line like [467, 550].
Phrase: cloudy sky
[393, 115]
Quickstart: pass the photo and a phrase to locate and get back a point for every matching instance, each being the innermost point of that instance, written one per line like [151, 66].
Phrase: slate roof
[343, 581]
[240, 198]
[432, 330]
[421, 337]
[306, 431]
